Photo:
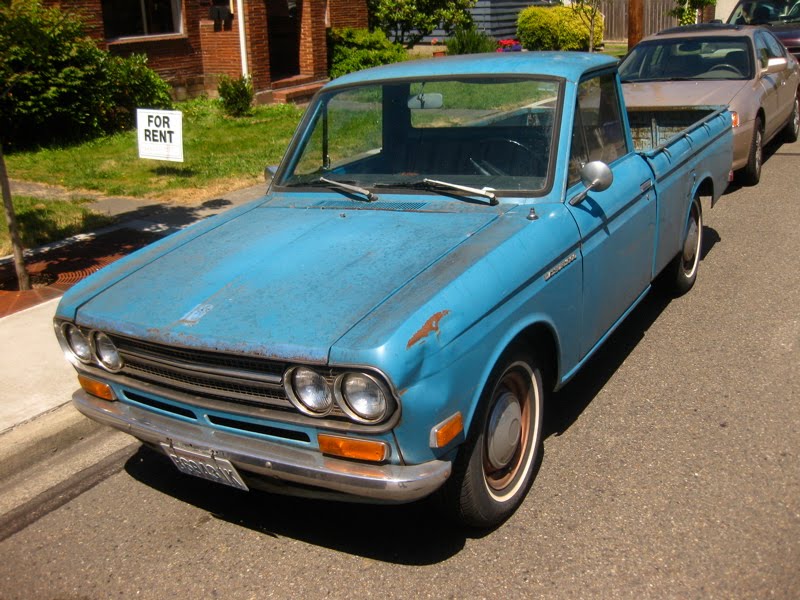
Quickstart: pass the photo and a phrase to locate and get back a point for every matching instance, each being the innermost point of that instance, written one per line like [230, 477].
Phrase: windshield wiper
[428, 184]
[371, 197]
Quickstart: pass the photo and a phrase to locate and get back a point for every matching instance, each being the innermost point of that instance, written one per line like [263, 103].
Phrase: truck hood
[278, 281]
[681, 93]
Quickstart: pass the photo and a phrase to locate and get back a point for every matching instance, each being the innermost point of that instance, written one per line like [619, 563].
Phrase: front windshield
[707, 58]
[766, 12]
[481, 132]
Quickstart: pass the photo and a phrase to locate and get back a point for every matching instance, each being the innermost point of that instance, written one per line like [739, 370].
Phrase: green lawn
[44, 221]
[220, 153]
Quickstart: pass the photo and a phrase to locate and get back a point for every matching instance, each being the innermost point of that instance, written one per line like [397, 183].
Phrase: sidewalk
[37, 382]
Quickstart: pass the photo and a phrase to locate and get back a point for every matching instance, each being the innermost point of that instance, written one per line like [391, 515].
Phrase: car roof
[569, 65]
[705, 30]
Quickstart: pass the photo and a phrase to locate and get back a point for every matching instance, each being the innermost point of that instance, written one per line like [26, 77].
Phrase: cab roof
[569, 65]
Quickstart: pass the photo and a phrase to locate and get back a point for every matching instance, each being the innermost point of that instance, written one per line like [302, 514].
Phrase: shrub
[555, 28]
[352, 49]
[236, 95]
[468, 40]
[58, 86]
[408, 21]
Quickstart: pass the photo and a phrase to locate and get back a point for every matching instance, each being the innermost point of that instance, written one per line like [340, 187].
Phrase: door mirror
[775, 65]
[596, 176]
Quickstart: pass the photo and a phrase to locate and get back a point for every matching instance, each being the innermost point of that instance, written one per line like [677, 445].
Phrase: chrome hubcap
[690, 245]
[504, 431]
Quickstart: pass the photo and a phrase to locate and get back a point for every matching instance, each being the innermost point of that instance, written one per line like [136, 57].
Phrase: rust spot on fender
[430, 326]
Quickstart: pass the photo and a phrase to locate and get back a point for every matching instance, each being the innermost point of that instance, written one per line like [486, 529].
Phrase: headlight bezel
[67, 343]
[94, 338]
[341, 406]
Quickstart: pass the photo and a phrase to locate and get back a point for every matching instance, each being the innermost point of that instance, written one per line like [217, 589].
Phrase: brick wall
[348, 13]
[220, 53]
[313, 38]
[257, 44]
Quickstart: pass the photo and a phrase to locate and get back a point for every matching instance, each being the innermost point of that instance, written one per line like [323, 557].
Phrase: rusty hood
[278, 281]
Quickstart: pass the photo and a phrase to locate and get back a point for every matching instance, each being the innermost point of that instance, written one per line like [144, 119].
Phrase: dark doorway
[283, 29]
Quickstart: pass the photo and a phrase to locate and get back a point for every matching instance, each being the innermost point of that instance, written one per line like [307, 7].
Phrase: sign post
[160, 134]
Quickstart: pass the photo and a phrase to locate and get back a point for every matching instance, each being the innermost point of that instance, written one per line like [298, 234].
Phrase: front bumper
[278, 462]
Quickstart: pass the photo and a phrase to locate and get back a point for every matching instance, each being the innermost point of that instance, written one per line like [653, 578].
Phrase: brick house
[280, 43]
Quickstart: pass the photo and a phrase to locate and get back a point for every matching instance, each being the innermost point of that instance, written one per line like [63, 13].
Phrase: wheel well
[706, 187]
[540, 340]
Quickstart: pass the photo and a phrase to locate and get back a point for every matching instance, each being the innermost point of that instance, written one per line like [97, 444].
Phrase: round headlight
[78, 343]
[107, 352]
[311, 391]
[364, 397]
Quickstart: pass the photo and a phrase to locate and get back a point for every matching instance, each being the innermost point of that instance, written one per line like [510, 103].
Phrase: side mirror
[269, 172]
[775, 65]
[596, 176]
[418, 101]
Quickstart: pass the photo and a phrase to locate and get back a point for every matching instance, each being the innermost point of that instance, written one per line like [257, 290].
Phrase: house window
[128, 18]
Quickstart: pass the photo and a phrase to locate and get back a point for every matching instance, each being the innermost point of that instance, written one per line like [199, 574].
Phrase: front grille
[215, 376]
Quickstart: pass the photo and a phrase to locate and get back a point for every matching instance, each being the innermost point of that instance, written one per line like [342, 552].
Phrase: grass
[616, 49]
[220, 152]
[44, 221]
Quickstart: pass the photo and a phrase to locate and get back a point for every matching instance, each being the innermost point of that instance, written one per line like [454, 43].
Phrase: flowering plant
[434, 41]
[509, 45]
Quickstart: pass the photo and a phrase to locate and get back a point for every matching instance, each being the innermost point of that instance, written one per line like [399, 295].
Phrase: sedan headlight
[106, 352]
[77, 343]
[364, 398]
[309, 391]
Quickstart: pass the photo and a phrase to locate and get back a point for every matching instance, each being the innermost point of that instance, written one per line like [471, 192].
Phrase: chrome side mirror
[269, 173]
[596, 176]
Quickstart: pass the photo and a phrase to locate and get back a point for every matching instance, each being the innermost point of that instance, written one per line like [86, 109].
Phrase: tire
[495, 467]
[681, 273]
[751, 174]
[792, 130]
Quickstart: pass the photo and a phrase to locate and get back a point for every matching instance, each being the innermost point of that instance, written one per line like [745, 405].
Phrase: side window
[762, 54]
[597, 132]
[774, 48]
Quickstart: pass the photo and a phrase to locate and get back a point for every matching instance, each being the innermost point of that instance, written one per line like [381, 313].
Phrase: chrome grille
[212, 375]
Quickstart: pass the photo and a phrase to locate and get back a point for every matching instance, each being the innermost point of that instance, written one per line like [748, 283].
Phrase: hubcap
[796, 116]
[758, 152]
[505, 431]
[690, 245]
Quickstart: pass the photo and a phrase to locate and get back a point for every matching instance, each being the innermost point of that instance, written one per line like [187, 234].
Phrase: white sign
[160, 134]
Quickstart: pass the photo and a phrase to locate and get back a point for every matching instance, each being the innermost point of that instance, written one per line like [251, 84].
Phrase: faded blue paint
[429, 295]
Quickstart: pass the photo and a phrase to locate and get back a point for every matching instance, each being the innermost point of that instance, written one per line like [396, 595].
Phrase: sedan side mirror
[595, 175]
[775, 65]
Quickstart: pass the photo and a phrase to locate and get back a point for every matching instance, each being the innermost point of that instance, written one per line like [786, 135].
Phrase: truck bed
[653, 128]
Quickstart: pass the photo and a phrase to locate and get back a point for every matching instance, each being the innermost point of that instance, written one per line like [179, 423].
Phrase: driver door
[617, 226]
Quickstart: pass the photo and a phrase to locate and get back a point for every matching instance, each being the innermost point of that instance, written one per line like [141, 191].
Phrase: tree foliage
[686, 10]
[588, 11]
[353, 49]
[408, 21]
[58, 86]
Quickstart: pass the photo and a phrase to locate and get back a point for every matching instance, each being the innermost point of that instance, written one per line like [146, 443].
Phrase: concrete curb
[32, 441]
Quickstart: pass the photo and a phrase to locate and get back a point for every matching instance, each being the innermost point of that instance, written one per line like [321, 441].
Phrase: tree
[408, 21]
[686, 10]
[588, 11]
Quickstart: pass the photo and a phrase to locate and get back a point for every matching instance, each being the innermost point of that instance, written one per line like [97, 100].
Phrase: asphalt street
[671, 470]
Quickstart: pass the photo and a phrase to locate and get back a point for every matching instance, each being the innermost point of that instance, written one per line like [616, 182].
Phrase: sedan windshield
[689, 58]
[765, 12]
[495, 133]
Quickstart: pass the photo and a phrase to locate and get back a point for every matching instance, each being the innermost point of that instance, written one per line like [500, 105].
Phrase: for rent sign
[160, 134]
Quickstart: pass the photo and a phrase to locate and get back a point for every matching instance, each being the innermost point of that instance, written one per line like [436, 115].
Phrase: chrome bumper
[379, 483]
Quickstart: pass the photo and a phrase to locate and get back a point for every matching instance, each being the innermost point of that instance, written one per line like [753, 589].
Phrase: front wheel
[751, 174]
[792, 130]
[495, 467]
[680, 274]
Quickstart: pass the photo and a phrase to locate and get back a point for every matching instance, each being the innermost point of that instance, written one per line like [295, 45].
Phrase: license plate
[205, 466]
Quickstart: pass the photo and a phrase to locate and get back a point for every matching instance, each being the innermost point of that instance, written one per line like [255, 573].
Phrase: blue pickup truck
[444, 243]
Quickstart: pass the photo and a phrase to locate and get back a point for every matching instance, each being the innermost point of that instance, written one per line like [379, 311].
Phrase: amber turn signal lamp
[97, 388]
[446, 431]
[353, 448]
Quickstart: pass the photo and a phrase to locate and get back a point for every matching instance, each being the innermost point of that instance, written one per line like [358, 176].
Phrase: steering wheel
[521, 154]
[725, 67]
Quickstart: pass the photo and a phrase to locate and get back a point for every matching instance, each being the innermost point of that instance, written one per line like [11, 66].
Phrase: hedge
[556, 28]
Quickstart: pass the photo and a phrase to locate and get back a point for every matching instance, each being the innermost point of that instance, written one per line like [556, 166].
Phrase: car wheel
[681, 273]
[495, 466]
[792, 130]
[751, 174]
